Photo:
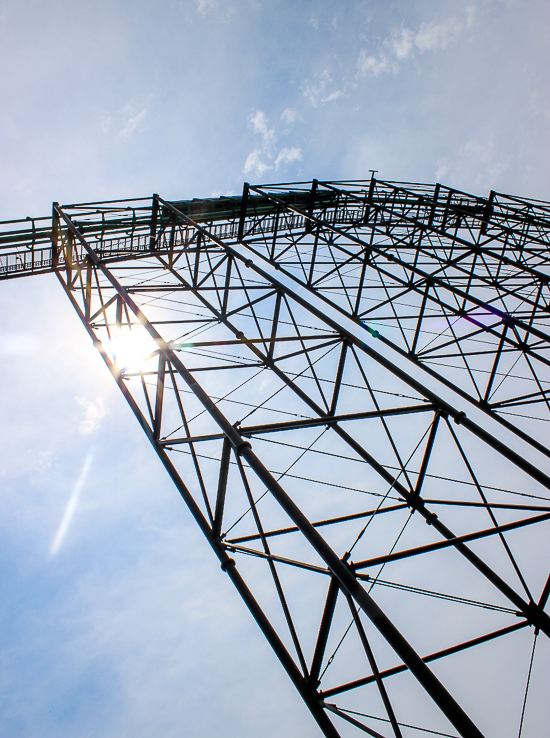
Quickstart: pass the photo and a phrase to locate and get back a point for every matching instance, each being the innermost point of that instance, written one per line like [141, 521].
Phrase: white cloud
[484, 157]
[222, 11]
[133, 121]
[333, 96]
[287, 156]
[259, 124]
[254, 164]
[42, 461]
[404, 42]
[371, 66]
[204, 6]
[443, 168]
[289, 115]
[433, 36]
[314, 21]
[94, 412]
[126, 120]
[105, 120]
[480, 160]
[261, 160]
[319, 93]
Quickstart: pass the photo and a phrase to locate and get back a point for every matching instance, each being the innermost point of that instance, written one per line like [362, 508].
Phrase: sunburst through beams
[130, 348]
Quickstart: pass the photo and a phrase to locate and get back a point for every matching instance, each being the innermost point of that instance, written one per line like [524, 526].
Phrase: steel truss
[341, 378]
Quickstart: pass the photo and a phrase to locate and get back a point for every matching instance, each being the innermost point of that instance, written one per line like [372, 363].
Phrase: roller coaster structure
[348, 384]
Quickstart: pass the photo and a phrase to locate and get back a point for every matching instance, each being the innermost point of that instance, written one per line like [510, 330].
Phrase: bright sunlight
[131, 347]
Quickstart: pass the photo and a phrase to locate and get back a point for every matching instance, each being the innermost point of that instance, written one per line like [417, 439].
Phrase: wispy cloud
[94, 412]
[262, 159]
[223, 11]
[125, 121]
[320, 93]
[255, 165]
[479, 159]
[433, 36]
[105, 120]
[133, 120]
[204, 6]
[404, 43]
[260, 126]
[373, 66]
[287, 156]
[290, 115]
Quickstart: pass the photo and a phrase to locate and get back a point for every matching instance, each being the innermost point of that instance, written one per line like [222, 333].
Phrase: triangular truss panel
[348, 383]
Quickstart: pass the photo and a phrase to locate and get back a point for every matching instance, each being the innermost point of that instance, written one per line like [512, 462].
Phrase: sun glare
[131, 347]
[71, 505]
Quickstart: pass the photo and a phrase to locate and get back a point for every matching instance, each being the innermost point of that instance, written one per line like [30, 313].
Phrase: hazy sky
[118, 621]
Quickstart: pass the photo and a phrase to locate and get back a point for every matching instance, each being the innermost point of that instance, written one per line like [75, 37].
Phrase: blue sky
[129, 628]
[105, 99]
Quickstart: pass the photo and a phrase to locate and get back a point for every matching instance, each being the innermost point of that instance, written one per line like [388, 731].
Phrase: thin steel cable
[389, 490]
[392, 550]
[296, 476]
[527, 685]
[396, 468]
[443, 596]
[529, 417]
[385, 720]
[281, 475]
[489, 510]
[506, 375]
[221, 399]
[331, 659]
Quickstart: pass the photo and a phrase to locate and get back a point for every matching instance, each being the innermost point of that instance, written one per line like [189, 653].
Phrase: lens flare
[131, 347]
[71, 506]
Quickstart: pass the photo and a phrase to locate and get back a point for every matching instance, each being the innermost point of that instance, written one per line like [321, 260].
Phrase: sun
[131, 347]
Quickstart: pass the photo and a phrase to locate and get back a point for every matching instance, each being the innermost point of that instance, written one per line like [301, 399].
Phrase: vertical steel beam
[154, 223]
[244, 206]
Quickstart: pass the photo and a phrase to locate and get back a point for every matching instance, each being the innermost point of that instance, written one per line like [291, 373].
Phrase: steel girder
[300, 358]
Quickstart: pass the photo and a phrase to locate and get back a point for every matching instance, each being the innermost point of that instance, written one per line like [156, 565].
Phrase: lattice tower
[355, 375]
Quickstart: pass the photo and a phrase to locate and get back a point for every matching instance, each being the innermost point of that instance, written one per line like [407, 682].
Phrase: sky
[115, 618]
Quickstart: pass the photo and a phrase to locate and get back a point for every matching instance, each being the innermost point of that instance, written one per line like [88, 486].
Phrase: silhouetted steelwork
[340, 378]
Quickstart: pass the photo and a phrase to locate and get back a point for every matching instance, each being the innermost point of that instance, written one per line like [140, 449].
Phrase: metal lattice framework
[348, 383]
